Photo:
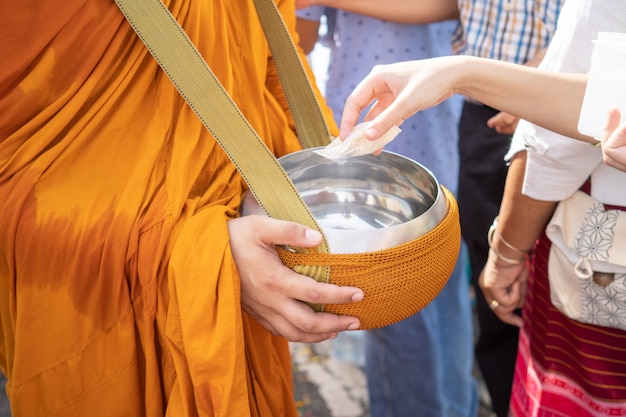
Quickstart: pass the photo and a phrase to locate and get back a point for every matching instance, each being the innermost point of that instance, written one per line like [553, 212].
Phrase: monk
[129, 284]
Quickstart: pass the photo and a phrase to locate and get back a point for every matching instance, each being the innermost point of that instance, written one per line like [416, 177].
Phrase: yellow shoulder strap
[183, 64]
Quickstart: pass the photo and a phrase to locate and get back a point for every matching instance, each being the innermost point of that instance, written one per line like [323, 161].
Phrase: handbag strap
[196, 82]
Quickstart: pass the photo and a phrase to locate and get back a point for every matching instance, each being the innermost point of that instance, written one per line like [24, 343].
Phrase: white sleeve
[518, 141]
[556, 165]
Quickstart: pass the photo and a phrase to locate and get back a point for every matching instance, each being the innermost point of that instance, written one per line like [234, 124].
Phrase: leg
[422, 366]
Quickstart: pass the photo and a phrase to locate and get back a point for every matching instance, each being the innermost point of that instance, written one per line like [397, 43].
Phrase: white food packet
[606, 86]
[356, 144]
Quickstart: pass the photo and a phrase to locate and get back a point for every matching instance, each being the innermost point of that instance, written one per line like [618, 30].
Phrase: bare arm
[308, 33]
[520, 222]
[400, 11]
[549, 99]
[505, 123]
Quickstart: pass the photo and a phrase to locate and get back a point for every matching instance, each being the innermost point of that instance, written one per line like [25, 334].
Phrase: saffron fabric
[118, 292]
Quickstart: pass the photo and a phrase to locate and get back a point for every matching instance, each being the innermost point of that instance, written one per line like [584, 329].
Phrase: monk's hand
[276, 295]
[504, 288]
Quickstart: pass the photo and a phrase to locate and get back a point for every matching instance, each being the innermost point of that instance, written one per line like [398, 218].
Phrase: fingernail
[353, 326]
[333, 337]
[312, 236]
[371, 133]
[357, 296]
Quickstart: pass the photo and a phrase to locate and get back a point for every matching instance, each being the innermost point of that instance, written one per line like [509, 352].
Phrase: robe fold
[119, 295]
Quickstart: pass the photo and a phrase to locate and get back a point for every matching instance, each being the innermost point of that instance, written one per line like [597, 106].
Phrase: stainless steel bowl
[367, 203]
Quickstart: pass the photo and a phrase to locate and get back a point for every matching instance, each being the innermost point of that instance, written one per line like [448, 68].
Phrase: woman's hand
[614, 141]
[276, 295]
[504, 287]
[397, 91]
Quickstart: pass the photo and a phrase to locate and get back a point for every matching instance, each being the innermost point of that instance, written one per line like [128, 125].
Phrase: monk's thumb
[293, 234]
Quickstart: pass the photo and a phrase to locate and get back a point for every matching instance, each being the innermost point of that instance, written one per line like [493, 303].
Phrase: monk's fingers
[298, 322]
[304, 288]
[306, 324]
[273, 232]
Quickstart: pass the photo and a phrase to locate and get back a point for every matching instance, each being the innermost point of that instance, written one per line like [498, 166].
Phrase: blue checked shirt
[506, 30]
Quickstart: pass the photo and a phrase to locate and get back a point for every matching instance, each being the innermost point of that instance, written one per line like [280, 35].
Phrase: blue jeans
[422, 366]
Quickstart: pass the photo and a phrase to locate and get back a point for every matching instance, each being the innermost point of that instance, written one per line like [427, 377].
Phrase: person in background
[421, 366]
[564, 367]
[129, 284]
[516, 32]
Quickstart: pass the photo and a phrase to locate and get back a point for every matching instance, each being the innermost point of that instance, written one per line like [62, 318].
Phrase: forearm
[307, 34]
[399, 11]
[520, 222]
[521, 219]
[536, 59]
[549, 99]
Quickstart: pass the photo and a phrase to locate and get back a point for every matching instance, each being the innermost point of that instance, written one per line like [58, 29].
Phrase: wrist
[502, 245]
[500, 249]
[502, 261]
[467, 72]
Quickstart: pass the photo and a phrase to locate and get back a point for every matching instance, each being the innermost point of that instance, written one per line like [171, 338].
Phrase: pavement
[5, 410]
[330, 380]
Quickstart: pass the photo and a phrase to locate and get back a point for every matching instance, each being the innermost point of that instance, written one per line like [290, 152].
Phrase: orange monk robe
[118, 292]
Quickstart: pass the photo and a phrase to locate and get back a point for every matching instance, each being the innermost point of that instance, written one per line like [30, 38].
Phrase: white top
[557, 166]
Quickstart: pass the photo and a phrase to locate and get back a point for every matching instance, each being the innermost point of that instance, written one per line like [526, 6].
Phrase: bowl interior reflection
[368, 192]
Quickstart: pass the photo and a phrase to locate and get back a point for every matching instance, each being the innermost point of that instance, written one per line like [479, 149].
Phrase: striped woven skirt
[565, 368]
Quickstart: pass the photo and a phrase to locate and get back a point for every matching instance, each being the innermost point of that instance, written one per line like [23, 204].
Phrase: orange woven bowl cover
[397, 282]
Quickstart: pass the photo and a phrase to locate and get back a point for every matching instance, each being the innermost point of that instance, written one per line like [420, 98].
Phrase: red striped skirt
[565, 368]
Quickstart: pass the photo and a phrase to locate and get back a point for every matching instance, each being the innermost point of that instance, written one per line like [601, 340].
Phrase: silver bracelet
[492, 232]
[509, 261]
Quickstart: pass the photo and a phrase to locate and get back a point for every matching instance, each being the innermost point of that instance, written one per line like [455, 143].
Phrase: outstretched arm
[399, 11]
[505, 123]
[549, 99]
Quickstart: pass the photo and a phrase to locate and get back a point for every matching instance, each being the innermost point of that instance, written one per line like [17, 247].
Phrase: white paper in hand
[606, 86]
[357, 144]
